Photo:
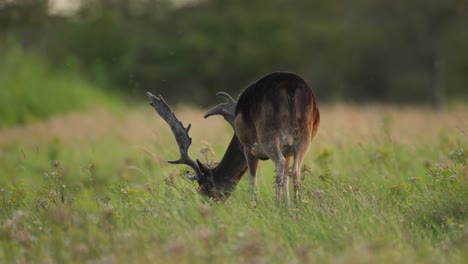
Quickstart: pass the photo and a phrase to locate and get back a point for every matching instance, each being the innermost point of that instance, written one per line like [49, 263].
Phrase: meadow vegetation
[380, 185]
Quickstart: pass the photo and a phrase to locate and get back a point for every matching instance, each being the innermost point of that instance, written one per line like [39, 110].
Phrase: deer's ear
[203, 168]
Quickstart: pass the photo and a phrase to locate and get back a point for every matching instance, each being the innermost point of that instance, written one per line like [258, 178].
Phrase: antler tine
[227, 109]
[180, 133]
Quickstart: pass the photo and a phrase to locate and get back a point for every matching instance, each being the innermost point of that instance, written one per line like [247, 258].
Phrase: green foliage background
[387, 51]
[32, 89]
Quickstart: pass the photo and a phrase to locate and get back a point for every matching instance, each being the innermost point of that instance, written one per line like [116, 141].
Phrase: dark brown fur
[276, 118]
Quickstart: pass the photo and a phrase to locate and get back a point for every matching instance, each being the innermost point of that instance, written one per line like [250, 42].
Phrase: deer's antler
[180, 134]
[227, 109]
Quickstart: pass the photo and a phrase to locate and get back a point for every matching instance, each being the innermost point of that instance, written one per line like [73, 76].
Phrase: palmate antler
[227, 109]
[180, 134]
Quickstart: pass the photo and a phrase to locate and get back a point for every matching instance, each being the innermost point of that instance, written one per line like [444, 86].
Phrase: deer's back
[279, 106]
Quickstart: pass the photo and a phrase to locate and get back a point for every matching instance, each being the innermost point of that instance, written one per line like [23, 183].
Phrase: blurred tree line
[363, 50]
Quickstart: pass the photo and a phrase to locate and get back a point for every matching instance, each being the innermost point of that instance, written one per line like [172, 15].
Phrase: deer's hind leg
[279, 160]
[252, 164]
[279, 169]
[296, 172]
[286, 179]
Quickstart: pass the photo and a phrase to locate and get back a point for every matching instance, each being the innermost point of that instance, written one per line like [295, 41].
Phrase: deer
[275, 118]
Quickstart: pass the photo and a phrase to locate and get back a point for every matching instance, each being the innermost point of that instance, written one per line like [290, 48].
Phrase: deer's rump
[283, 96]
[275, 108]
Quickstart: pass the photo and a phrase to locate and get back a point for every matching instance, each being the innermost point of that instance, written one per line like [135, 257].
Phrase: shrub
[31, 90]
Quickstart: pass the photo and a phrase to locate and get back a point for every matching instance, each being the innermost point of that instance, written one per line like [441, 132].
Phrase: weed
[445, 177]
[459, 155]
[324, 159]
[122, 193]
[12, 199]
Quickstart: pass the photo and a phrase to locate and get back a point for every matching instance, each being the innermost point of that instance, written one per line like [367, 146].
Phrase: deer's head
[217, 182]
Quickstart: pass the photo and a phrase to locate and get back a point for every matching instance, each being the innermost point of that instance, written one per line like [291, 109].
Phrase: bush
[30, 89]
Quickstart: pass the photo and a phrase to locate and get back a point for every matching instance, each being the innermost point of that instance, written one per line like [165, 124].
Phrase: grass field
[380, 185]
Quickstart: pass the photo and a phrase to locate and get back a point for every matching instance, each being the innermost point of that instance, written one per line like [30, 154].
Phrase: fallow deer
[274, 118]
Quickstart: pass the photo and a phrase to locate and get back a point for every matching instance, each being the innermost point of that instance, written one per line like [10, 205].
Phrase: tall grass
[380, 185]
[31, 89]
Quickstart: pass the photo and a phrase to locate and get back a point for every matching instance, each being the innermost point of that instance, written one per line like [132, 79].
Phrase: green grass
[373, 191]
[31, 89]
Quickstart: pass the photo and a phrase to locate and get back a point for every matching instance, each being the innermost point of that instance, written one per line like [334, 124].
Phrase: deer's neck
[231, 168]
